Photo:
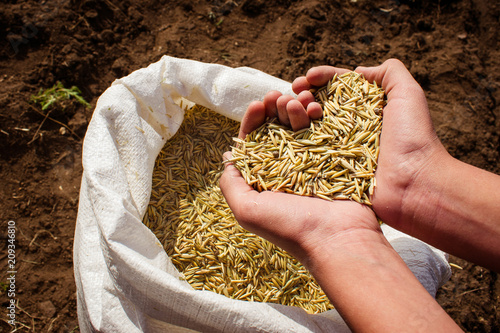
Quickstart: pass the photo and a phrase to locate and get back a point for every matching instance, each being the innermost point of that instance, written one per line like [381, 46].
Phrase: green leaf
[56, 94]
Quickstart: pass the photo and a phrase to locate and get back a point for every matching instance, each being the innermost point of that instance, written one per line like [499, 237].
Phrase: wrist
[362, 241]
[455, 208]
[421, 203]
[373, 289]
[421, 198]
[404, 181]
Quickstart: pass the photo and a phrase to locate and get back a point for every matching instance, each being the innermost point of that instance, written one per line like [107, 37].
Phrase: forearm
[373, 289]
[456, 208]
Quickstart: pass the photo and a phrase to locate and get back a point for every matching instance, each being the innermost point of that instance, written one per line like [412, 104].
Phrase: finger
[253, 118]
[391, 75]
[232, 182]
[297, 115]
[403, 93]
[239, 195]
[300, 84]
[282, 112]
[319, 76]
[270, 103]
[407, 124]
[250, 207]
[314, 110]
[305, 97]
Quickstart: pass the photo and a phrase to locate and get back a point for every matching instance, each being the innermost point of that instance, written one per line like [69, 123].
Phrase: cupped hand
[309, 228]
[409, 146]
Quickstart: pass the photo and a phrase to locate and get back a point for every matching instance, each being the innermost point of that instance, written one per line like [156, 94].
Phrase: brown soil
[450, 46]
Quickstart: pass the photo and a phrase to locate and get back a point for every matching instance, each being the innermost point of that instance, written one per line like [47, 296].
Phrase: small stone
[47, 308]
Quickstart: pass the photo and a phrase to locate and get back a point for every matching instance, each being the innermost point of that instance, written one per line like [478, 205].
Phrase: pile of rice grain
[335, 158]
[191, 218]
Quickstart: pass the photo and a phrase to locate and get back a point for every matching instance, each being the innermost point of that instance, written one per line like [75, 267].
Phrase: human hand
[307, 227]
[304, 226]
[291, 225]
[409, 146]
[421, 189]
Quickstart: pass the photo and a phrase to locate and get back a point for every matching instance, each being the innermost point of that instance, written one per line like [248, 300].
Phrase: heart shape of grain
[334, 158]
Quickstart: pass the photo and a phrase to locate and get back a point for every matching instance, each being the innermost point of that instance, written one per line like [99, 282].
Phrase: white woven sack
[125, 280]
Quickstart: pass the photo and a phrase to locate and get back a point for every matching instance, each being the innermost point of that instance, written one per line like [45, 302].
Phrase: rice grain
[345, 142]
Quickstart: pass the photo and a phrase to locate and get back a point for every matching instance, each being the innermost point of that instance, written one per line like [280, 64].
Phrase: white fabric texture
[125, 280]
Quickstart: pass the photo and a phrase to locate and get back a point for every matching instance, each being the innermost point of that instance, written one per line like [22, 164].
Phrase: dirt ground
[451, 47]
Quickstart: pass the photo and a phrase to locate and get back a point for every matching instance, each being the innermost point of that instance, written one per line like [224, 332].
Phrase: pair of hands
[341, 242]
[310, 227]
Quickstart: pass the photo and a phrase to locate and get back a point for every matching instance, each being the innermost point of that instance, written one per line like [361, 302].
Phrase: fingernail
[226, 156]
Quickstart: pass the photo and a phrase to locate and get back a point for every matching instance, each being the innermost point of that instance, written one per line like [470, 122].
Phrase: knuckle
[394, 62]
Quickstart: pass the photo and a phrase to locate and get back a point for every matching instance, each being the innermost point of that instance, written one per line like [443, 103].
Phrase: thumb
[406, 102]
[266, 213]
[396, 80]
[233, 185]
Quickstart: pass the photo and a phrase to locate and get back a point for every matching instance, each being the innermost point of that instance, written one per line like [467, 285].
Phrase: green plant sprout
[56, 95]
